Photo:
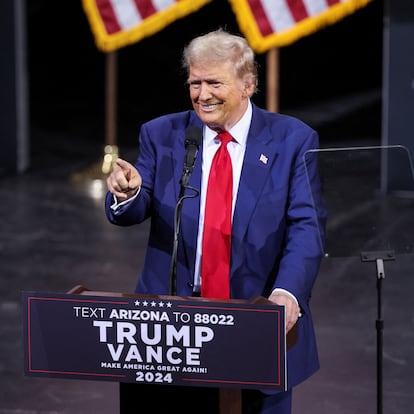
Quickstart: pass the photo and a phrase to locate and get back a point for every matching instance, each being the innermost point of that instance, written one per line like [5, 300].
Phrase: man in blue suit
[278, 216]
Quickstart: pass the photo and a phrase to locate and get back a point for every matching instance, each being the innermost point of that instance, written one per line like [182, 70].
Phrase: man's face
[218, 96]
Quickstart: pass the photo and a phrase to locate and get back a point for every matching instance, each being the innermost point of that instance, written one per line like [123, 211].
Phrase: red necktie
[215, 260]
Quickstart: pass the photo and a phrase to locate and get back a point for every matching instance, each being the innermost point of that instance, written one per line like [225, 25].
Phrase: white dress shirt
[236, 148]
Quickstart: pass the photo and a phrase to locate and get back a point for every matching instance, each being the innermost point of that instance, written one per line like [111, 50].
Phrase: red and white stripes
[275, 16]
[120, 15]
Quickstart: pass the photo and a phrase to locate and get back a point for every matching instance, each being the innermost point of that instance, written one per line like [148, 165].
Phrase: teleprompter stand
[160, 346]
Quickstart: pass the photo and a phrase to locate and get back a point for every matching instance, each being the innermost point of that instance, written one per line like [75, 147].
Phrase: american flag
[269, 24]
[265, 23]
[118, 23]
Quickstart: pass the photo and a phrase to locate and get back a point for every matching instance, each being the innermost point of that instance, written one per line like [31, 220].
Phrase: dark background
[67, 71]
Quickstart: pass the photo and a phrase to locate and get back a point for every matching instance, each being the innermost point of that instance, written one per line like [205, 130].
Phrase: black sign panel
[147, 339]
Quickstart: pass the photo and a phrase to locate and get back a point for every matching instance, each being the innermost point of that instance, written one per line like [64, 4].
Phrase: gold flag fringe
[158, 21]
[260, 44]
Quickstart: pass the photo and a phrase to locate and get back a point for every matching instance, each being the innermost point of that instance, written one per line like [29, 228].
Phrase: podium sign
[155, 340]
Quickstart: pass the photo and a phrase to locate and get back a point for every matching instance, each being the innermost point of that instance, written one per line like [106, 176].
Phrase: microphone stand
[177, 221]
[379, 258]
[192, 143]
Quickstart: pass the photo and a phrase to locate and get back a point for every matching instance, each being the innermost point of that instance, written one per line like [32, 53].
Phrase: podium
[157, 341]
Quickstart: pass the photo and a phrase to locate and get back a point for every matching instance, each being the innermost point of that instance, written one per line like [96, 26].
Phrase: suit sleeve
[306, 217]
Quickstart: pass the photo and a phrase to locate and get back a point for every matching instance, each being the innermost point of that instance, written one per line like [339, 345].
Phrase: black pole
[380, 328]
[173, 265]
[176, 231]
[379, 258]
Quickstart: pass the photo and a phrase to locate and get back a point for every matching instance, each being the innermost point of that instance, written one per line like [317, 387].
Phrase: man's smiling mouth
[209, 107]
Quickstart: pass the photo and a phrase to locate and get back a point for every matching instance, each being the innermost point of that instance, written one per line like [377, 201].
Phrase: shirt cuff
[116, 205]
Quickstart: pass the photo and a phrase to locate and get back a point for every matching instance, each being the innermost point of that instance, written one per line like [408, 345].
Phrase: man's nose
[205, 91]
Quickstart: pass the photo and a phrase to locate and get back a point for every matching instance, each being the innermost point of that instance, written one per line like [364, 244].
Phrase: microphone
[192, 144]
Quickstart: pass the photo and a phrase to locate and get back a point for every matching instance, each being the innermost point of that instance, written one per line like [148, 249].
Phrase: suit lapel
[259, 157]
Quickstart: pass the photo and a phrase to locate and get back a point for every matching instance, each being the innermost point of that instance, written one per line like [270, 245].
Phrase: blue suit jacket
[277, 225]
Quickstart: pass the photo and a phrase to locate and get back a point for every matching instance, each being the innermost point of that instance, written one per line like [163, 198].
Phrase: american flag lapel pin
[263, 159]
